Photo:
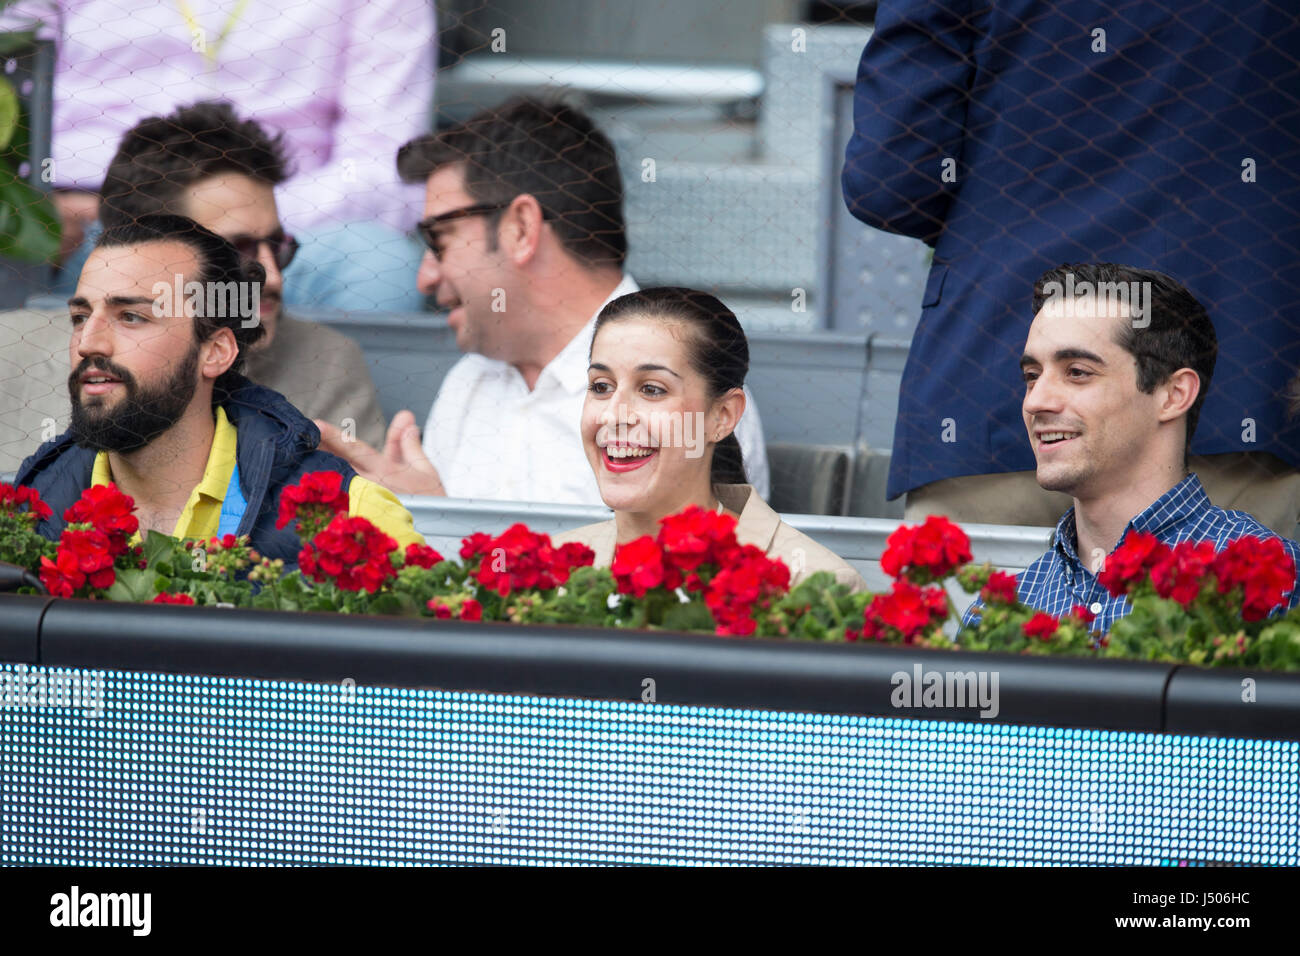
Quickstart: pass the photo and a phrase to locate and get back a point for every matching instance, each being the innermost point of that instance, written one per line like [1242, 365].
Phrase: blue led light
[187, 769]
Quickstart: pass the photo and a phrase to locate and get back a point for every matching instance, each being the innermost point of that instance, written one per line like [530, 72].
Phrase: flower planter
[227, 735]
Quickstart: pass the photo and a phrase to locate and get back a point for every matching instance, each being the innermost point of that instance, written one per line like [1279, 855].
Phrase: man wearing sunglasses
[205, 163]
[523, 225]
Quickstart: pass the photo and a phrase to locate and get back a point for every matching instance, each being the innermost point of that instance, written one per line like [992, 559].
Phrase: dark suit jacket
[1062, 154]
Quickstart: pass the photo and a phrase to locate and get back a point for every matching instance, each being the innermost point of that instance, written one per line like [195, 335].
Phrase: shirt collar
[569, 368]
[216, 473]
[1183, 501]
[758, 523]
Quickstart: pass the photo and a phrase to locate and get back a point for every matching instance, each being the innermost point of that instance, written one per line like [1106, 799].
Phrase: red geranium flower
[519, 559]
[1131, 562]
[928, 552]
[476, 544]
[62, 577]
[1041, 626]
[12, 499]
[577, 555]
[907, 609]
[1001, 589]
[352, 552]
[1262, 571]
[1083, 613]
[694, 537]
[748, 580]
[93, 551]
[421, 555]
[638, 566]
[440, 609]
[471, 610]
[314, 502]
[1180, 574]
[107, 510]
[165, 598]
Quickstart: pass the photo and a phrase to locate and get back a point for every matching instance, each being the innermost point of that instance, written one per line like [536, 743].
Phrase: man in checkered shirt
[1116, 367]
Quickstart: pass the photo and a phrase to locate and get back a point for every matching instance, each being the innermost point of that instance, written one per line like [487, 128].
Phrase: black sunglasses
[428, 227]
[283, 247]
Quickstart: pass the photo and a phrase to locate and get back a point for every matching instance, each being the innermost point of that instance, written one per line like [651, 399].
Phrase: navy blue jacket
[276, 445]
[1133, 155]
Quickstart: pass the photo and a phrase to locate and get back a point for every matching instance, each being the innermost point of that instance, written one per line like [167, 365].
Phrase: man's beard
[138, 417]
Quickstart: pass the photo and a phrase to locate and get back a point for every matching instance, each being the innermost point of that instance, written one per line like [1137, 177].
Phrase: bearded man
[162, 319]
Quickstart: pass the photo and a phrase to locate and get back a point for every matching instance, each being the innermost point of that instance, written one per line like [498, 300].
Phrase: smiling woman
[665, 392]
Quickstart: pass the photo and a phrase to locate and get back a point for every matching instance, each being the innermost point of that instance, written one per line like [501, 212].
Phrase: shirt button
[1096, 607]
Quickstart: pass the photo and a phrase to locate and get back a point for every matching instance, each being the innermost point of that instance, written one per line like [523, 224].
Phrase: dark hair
[717, 349]
[219, 264]
[1180, 333]
[160, 157]
[546, 150]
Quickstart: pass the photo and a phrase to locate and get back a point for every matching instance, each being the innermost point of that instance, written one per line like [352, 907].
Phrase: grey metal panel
[736, 225]
[668, 31]
[808, 479]
[871, 281]
[41, 103]
[866, 493]
[886, 358]
[794, 113]
[808, 387]
[747, 226]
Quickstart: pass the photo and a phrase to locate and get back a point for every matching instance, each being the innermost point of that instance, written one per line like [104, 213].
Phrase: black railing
[691, 669]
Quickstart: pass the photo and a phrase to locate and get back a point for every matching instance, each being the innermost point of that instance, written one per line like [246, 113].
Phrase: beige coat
[759, 525]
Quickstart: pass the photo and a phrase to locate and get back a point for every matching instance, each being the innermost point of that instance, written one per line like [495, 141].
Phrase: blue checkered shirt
[1058, 580]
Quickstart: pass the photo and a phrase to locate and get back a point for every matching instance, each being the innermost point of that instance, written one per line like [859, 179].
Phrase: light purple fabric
[347, 81]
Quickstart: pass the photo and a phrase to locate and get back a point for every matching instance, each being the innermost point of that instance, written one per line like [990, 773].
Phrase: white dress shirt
[491, 437]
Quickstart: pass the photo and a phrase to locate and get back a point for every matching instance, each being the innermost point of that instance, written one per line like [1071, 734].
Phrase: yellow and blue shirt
[215, 493]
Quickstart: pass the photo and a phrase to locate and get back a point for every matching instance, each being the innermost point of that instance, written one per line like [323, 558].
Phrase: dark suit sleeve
[909, 115]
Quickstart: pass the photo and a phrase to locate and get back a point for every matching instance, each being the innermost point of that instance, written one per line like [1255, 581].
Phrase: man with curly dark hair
[206, 163]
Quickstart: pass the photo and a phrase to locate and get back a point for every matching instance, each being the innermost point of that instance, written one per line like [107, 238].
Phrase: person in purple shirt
[345, 82]
[1116, 370]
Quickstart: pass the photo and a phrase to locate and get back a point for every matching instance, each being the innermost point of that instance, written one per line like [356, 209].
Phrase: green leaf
[29, 225]
[133, 585]
[688, 617]
[390, 603]
[17, 42]
[159, 547]
[9, 112]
